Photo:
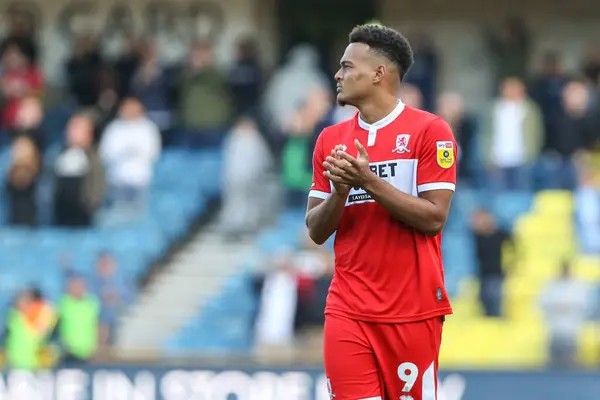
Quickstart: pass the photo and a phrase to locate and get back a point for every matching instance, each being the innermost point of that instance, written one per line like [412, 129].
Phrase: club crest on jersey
[402, 144]
[445, 154]
[344, 147]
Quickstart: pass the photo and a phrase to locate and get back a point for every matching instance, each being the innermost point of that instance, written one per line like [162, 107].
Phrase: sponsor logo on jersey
[402, 144]
[445, 154]
[398, 173]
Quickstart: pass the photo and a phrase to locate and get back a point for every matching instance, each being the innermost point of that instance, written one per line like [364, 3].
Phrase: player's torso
[376, 255]
[393, 157]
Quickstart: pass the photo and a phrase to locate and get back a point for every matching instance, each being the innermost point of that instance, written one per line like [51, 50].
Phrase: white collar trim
[382, 123]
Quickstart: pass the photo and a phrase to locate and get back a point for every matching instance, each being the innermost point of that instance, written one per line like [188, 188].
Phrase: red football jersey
[386, 271]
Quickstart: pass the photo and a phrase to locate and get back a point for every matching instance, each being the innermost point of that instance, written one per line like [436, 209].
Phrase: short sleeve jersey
[386, 271]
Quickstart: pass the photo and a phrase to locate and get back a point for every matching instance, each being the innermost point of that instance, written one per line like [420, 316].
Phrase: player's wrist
[370, 182]
[343, 194]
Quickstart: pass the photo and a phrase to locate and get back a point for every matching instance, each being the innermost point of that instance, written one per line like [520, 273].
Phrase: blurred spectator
[205, 100]
[591, 65]
[546, 90]
[151, 85]
[128, 149]
[574, 131]
[19, 80]
[450, 107]
[277, 306]
[423, 74]
[28, 123]
[411, 96]
[78, 327]
[21, 183]
[314, 266]
[587, 208]
[567, 304]
[21, 342]
[79, 184]
[509, 48]
[114, 293]
[107, 105]
[21, 35]
[304, 125]
[41, 314]
[489, 241]
[247, 164]
[245, 78]
[512, 137]
[127, 65]
[290, 85]
[82, 71]
[341, 114]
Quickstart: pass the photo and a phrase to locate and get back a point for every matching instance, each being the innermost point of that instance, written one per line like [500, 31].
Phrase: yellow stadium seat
[588, 352]
[493, 343]
[544, 239]
[587, 268]
[553, 202]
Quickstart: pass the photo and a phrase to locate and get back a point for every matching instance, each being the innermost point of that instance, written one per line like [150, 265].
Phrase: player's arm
[436, 180]
[325, 205]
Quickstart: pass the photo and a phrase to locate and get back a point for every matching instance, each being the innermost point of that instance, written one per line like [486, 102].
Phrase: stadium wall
[244, 384]
[171, 23]
[459, 32]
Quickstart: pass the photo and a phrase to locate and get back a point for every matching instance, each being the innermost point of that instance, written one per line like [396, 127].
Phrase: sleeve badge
[445, 154]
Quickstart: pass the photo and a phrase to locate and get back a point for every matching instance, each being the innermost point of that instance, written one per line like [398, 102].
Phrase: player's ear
[380, 71]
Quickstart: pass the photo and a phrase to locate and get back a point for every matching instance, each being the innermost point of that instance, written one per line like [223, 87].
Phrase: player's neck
[377, 109]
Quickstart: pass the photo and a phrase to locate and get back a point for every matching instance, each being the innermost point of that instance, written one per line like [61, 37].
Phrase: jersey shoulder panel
[421, 117]
[331, 134]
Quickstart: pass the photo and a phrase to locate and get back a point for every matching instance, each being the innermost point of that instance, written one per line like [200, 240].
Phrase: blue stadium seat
[507, 207]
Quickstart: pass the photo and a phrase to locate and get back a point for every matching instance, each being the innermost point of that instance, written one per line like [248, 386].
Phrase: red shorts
[380, 361]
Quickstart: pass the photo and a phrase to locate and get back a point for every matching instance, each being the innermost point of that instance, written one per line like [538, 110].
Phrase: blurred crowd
[540, 131]
[39, 333]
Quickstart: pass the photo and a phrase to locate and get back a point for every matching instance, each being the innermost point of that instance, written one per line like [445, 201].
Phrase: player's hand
[348, 170]
[339, 188]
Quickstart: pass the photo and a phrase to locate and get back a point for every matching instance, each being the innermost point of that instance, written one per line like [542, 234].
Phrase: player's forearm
[323, 220]
[421, 214]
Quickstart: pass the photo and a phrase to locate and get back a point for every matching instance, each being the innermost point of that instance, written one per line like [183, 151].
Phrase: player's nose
[338, 75]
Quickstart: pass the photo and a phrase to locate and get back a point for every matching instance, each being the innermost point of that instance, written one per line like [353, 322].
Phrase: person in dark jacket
[21, 183]
[79, 177]
[489, 241]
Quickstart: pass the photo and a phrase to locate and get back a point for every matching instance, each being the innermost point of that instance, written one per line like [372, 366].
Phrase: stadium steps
[194, 275]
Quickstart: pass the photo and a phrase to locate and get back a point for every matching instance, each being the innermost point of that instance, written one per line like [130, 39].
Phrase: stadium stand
[543, 228]
[177, 199]
[544, 238]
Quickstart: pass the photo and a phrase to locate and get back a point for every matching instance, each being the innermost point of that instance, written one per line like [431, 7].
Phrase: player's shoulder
[336, 129]
[423, 118]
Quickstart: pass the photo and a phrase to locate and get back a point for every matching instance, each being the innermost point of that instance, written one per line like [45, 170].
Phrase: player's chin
[342, 100]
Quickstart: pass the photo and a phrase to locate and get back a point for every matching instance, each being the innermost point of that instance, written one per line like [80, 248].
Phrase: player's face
[355, 76]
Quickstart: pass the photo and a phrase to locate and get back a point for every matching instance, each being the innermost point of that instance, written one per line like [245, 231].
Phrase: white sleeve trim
[319, 194]
[436, 186]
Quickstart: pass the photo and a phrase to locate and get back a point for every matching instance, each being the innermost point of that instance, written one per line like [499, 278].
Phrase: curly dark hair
[386, 42]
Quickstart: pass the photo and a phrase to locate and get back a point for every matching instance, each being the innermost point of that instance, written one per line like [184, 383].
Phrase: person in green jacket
[79, 324]
[22, 341]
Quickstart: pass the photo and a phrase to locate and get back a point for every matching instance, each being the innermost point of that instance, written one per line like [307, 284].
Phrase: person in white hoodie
[129, 147]
[246, 179]
[291, 84]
